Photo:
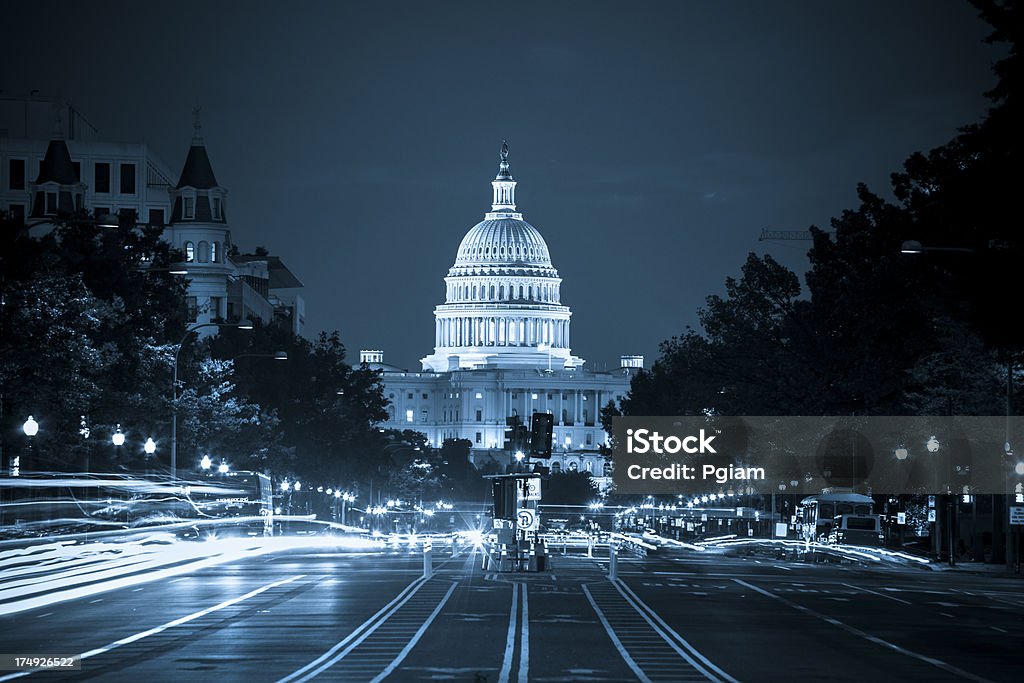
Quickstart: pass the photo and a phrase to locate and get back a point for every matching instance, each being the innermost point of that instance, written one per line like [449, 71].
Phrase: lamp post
[31, 428]
[242, 325]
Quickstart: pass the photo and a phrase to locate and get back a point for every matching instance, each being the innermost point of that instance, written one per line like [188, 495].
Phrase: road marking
[881, 595]
[779, 566]
[416, 637]
[524, 638]
[615, 639]
[170, 624]
[327, 659]
[647, 613]
[996, 628]
[867, 636]
[44, 615]
[93, 602]
[510, 638]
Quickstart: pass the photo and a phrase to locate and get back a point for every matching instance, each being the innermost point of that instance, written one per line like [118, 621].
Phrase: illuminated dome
[503, 242]
[502, 307]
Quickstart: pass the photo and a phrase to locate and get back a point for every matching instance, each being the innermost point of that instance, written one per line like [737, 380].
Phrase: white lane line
[524, 639]
[779, 566]
[867, 636]
[93, 602]
[881, 595]
[170, 624]
[40, 616]
[416, 637]
[996, 628]
[510, 638]
[641, 676]
[361, 633]
[709, 670]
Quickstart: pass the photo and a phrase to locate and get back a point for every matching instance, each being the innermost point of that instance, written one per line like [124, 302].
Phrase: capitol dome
[502, 306]
[507, 242]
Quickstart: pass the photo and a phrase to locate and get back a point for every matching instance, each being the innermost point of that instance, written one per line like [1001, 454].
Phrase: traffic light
[541, 430]
[512, 425]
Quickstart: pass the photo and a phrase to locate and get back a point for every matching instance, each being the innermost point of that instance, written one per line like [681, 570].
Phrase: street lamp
[149, 446]
[242, 325]
[31, 427]
[223, 467]
[206, 463]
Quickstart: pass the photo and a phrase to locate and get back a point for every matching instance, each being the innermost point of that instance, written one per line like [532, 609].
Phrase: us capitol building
[501, 349]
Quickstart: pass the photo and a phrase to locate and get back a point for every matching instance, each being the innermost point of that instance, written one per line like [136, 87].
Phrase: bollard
[613, 562]
[428, 561]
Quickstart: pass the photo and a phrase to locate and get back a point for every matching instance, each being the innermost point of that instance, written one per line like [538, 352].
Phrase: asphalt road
[345, 616]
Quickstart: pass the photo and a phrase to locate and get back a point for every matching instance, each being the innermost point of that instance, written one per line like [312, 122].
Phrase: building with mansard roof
[74, 170]
[502, 349]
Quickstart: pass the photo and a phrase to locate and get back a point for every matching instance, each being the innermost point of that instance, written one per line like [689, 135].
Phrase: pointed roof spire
[56, 166]
[503, 172]
[197, 172]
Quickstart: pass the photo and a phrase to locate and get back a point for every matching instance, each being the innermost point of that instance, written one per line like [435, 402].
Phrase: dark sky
[651, 140]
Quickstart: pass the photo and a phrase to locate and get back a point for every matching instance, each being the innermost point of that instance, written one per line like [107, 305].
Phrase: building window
[425, 396]
[515, 396]
[556, 467]
[190, 252]
[479, 415]
[409, 396]
[533, 397]
[204, 251]
[479, 437]
[423, 415]
[549, 397]
[16, 174]
[408, 415]
[215, 306]
[51, 203]
[17, 213]
[479, 395]
[189, 207]
[216, 208]
[156, 216]
[101, 178]
[213, 252]
[127, 178]
[391, 413]
[77, 165]
[193, 308]
[590, 438]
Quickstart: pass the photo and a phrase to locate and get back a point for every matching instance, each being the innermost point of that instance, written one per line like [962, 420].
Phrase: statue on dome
[504, 150]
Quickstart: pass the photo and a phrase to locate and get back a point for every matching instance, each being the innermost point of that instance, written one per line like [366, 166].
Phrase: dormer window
[51, 203]
[216, 209]
[189, 207]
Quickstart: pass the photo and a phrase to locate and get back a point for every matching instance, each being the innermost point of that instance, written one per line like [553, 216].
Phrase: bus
[820, 513]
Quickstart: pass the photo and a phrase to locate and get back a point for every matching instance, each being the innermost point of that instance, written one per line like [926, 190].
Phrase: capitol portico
[502, 348]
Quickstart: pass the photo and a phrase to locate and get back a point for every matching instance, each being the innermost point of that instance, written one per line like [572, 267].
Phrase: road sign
[931, 504]
[503, 524]
[901, 517]
[1017, 514]
[931, 515]
[529, 489]
[526, 519]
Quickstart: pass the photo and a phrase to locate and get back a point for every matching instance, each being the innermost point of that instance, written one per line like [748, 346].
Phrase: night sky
[652, 141]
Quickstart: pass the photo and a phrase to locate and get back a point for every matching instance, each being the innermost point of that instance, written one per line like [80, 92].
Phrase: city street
[679, 616]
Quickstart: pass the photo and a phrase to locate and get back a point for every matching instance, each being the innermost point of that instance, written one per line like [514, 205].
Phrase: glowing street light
[118, 437]
[149, 446]
[223, 467]
[31, 427]
[932, 445]
[298, 485]
[206, 463]
[519, 456]
[285, 486]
